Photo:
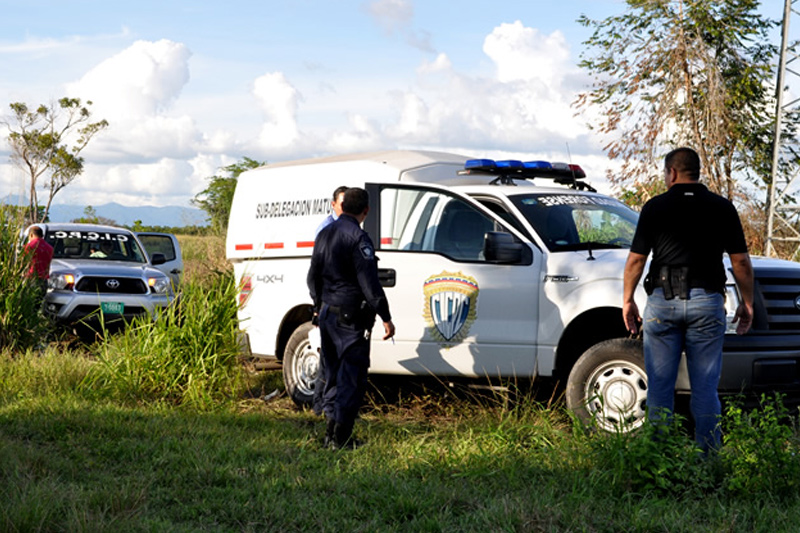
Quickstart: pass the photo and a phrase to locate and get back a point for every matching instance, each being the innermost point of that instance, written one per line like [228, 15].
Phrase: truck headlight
[731, 304]
[61, 282]
[159, 285]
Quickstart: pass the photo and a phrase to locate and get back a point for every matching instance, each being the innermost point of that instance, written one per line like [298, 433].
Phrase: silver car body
[103, 272]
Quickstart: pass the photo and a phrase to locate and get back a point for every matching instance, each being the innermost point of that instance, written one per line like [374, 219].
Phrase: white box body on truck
[492, 269]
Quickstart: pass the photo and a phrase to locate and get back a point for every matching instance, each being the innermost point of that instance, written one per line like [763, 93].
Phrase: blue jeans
[696, 325]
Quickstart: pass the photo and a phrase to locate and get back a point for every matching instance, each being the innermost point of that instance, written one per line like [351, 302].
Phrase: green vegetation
[72, 460]
[162, 428]
[46, 143]
[187, 357]
[22, 325]
[217, 198]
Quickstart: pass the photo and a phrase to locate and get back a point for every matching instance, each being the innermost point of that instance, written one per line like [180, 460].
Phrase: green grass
[188, 356]
[161, 428]
[70, 461]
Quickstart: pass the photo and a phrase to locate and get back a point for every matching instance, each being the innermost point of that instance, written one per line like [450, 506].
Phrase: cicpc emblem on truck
[451, 301]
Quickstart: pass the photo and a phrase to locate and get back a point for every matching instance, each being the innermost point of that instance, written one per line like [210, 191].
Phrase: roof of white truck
[399, 159]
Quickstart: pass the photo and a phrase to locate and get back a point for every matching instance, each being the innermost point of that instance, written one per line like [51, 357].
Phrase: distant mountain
[172, 216]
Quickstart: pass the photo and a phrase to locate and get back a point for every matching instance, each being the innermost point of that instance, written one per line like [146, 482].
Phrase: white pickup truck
[501, 269]
[109, 271]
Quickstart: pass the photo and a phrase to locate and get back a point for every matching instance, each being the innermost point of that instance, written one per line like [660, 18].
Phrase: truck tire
[300, 366]
[607, 387]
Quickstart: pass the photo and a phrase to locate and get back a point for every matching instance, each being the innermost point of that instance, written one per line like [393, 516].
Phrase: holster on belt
[359, 316]
[674, 281]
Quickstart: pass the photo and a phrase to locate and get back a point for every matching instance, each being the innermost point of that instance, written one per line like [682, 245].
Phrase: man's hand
[634, 267]
[743, 274]
[630, 314]
[388, 327]
[743, 318]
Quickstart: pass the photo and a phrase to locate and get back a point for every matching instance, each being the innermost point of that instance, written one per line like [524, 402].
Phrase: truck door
[167, 244]
[456, 313]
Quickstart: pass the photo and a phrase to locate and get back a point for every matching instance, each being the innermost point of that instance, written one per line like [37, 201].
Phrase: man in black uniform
[343, 281]
[688, 229]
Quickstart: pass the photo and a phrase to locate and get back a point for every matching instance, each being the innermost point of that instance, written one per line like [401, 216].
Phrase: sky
[190, 86]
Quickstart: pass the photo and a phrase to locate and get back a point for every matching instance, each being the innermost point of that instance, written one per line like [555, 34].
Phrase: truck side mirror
[501, 247]
[158, 259]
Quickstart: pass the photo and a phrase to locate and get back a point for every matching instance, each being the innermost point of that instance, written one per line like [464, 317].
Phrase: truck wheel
[607, 387]
[300, 366]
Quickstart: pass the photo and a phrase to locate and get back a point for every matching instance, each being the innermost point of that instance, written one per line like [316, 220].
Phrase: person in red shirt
[41, 253]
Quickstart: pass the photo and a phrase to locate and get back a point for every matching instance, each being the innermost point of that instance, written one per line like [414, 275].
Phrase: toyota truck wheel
[607, 387]
[300, 366]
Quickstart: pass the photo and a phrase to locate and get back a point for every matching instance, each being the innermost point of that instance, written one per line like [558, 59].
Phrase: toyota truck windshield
[571, 221]
[95, 245]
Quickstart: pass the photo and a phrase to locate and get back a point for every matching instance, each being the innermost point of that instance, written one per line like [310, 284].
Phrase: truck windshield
[101, 246]
[573, 221]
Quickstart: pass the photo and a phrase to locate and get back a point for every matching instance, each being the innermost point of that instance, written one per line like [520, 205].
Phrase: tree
[216, 199]
[677, 72]
[90, 217]
[40, 146]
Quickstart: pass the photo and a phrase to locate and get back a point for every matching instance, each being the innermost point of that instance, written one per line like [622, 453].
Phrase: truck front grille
[111, 285]
[778, 294]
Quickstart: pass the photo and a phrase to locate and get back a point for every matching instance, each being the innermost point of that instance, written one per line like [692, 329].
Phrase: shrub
[187, 356]
[760, 452]
[658, 457]
[22, 323]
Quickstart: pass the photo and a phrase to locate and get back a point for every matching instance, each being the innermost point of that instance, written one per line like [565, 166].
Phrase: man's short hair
[684, 161]
[338, 191]
[37, 231]
[356, 200]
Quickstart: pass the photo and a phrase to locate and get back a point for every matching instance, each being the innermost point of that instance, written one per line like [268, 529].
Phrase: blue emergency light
[506, 171]
[480, 164]
[537, 164]
[510, 164]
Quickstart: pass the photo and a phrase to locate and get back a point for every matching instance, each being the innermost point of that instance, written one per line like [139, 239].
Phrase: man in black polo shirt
[687, 229]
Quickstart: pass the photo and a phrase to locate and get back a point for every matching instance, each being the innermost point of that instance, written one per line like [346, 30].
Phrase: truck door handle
[387, 277]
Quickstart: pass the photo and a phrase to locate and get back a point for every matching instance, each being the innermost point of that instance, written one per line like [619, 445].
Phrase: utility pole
[779, 226]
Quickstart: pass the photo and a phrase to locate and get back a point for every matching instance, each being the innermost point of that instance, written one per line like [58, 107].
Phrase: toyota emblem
[114, 284]
[797, 302]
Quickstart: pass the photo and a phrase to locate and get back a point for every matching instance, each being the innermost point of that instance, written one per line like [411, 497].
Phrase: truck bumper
[69, 307]
[756, 364]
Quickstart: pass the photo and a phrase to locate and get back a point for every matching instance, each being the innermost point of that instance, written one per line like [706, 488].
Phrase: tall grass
[22, 324]
[204, 257]
[187, 356]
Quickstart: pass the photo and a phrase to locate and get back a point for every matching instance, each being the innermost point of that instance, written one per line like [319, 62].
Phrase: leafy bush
[761, 451]
[22, 324]
[187, 356]
[658, 457]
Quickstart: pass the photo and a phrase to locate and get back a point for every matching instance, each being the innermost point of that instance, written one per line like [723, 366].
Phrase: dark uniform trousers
[345, 350]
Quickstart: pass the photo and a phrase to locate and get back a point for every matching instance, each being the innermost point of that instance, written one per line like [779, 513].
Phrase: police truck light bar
[509, 170]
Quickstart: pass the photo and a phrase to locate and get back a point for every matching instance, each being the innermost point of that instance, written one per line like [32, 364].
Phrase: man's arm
[634, 267]
[743, 274]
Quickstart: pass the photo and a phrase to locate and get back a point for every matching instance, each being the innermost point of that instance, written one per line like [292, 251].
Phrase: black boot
[327, 442]
[343, 438]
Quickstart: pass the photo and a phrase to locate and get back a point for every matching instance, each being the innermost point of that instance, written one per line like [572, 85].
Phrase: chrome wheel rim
[305, 368]
[616, 395]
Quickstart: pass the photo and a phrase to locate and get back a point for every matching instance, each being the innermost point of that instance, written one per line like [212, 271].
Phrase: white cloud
[521, 53]
[142, 80]
[392, 15]
[155, 152]
[440, 64]
[524, 106]
[135, 90]
[397, 17]
[278, 101]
